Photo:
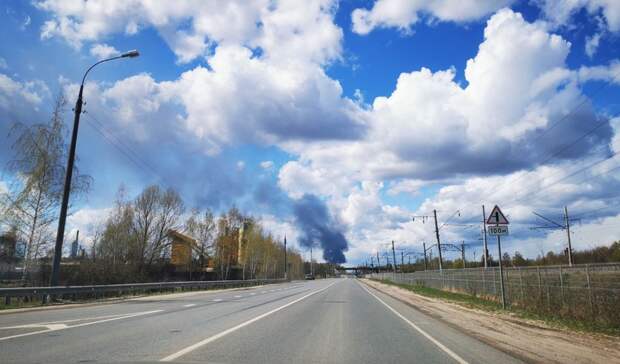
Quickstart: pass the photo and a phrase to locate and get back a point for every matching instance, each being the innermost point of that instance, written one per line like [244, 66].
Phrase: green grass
[492, 306]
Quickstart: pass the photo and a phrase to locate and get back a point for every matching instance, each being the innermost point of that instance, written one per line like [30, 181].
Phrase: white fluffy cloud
[102, 50]
[403, 14]
[264, 82]
[431, 127]
[287, 29]
[560, 12]
[15, 93]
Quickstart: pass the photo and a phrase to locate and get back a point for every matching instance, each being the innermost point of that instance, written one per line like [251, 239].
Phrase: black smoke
[318, 227]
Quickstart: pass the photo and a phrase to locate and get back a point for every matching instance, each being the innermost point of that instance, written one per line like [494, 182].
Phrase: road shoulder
[530, 340]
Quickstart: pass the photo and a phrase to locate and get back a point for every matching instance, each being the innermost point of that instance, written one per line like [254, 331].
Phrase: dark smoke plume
[317, 226]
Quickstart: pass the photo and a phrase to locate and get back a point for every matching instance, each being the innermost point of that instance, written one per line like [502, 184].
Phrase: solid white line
[217, 300]
[429, 337]
[210, 339]
[59, 328]
[237, 296]
[190, 305]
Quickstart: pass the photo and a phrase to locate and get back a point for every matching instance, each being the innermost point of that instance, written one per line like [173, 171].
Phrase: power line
[535, 192]
[125, 149]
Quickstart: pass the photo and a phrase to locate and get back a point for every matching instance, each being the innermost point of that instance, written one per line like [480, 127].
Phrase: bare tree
[201, 226]
[36, 175]
[118, 239]
[155, 212]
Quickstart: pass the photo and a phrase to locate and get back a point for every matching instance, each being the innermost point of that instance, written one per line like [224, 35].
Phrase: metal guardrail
[96, 290]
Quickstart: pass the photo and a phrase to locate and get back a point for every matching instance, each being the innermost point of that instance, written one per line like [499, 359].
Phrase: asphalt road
[323, 321]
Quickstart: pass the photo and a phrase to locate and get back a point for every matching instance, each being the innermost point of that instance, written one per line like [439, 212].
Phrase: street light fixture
[69, 173]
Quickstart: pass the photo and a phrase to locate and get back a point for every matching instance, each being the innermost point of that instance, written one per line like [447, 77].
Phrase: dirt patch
[529, 339]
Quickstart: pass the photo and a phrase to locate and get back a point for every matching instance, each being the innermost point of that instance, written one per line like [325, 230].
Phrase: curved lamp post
[69, 173]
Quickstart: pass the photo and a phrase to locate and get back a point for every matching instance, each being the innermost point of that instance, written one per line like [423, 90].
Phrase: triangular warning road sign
[497, 217]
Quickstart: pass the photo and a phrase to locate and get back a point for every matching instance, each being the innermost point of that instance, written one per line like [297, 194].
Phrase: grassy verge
[492, 306]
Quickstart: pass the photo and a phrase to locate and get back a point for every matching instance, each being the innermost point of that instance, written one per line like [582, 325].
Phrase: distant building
[181, 251]
[75, 246]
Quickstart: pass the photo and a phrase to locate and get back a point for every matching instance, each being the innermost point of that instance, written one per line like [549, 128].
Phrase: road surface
[322, 321]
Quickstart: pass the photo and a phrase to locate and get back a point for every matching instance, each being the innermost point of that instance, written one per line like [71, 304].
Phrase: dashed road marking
[59, 327]
[210, 339]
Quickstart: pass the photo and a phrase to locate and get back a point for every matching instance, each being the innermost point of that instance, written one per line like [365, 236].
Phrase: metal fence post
[590, 289]
[540, 293]
[484, 286]
[562, 285]
[521, 284]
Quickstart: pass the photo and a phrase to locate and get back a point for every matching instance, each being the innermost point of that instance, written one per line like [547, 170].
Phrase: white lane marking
[190, 305]
[429, 337]
[47, 323]
[66, 327]
[210, 339]
[252, 294]
[217, 300]
[237, 296]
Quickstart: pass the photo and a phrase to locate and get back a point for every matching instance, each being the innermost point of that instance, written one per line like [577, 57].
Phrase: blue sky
[382, 109]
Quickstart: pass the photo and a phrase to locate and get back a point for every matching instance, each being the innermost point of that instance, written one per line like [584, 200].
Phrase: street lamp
[69, 173]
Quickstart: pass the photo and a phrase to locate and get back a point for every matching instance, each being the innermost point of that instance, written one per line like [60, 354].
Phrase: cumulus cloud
[304, 31]
[265, 75]
[266, 164]
[103, 50]
[14, 93]
[403, 14]
[431, 127]
[560, 13]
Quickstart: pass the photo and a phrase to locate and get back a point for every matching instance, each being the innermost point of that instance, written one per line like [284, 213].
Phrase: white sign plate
[498, 230]
[497, 217]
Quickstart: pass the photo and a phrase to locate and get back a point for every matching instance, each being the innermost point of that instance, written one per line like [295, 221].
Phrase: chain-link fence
[583, 292]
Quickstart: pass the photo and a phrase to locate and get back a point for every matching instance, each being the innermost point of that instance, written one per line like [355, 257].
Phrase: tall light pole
[69, 173]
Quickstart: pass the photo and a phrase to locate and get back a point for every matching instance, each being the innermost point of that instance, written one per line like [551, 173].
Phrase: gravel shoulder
[528, 339]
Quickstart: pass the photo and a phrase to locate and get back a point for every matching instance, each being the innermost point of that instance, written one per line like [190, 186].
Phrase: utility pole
[285, 262]
[484, 237]
[425, 261]
[463, 254]
[565, 225]
[402, 260]
[393, 257]
[378, 262]
[438, 241]
[64, 205]
[570, 249]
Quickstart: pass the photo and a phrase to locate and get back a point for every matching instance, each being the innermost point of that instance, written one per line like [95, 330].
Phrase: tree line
[600, 254]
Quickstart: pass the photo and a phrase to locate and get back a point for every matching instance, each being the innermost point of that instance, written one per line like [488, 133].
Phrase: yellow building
[181, 251]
